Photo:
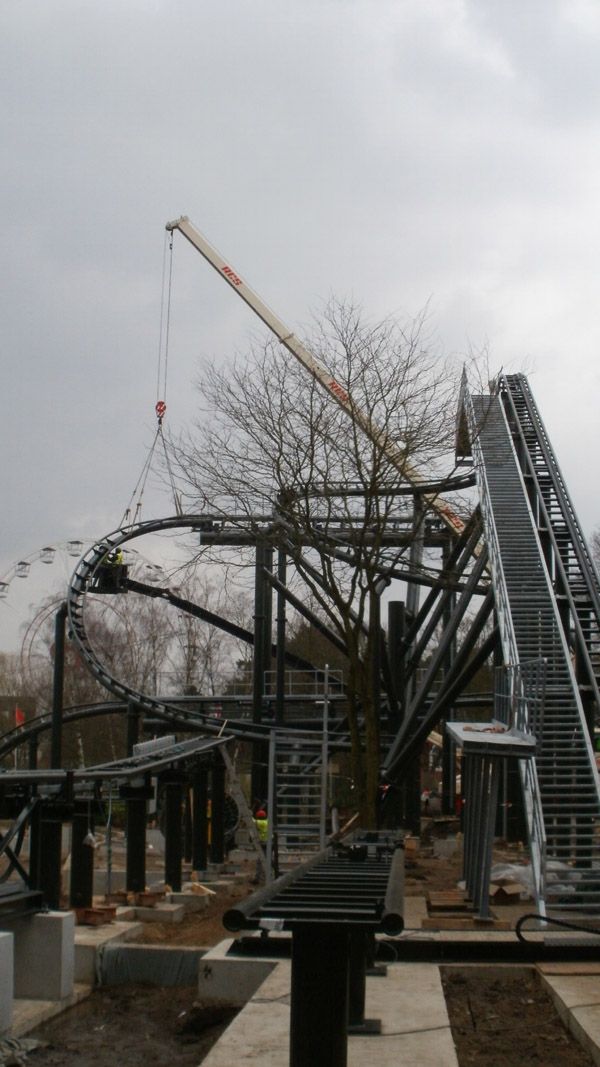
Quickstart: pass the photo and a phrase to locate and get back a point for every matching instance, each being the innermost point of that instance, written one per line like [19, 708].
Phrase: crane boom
[395, 455]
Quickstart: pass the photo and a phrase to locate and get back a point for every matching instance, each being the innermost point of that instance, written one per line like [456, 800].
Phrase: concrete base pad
[575, 990]
[161, 913]
[192, 902]
[89, 940]
[230, 978]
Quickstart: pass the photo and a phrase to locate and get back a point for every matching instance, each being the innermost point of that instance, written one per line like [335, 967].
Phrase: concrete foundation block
[126, 913]
[161, 913]
[45, 956]
[231, 979]
[89, 941]
[190, 901]
[7, 981]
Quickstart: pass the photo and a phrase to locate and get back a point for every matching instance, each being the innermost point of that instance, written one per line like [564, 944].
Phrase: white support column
[7, 981]
[45, 956]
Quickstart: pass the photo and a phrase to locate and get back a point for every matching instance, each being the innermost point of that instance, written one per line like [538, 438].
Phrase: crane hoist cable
[140, 486]
[164, 329]
[176, 497]
[160, 407]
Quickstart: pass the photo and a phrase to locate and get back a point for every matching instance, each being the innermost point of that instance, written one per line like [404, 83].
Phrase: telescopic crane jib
[395, 455]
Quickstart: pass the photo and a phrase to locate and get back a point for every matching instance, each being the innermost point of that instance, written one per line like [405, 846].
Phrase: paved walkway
[409, 1002]
[575, 990]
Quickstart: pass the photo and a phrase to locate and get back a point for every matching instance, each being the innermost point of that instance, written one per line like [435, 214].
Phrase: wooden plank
[450, 900]
[463, 922]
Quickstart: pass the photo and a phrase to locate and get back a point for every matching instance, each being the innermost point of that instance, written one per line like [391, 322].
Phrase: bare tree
[270, 439]
[202, 656]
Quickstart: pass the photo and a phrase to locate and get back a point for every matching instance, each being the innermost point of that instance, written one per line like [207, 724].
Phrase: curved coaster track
[87, 578]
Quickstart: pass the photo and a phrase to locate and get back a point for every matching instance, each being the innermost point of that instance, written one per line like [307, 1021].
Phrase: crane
[395, 455]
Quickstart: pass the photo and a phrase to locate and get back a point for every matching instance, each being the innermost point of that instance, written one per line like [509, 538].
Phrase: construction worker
[262, 824]
[110, 572]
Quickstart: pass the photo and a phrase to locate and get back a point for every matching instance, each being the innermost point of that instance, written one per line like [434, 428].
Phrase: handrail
[527, 768]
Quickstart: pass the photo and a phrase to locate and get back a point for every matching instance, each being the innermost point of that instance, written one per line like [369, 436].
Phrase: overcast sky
[396, 152]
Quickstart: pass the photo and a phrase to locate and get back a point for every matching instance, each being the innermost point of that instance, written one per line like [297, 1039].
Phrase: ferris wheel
[22, 567]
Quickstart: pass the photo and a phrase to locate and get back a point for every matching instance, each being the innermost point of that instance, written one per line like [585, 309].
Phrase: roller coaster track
[82, 582]
[32, 728]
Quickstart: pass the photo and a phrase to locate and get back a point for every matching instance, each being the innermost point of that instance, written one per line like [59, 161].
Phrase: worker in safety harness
[110, 572]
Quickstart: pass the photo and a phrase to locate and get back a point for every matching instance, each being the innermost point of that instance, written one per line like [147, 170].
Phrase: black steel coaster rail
[82, 582]
[172, 754]
[31, 728]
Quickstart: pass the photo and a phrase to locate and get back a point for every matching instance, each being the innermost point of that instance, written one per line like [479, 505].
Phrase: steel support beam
[82, 857]
[58, 686]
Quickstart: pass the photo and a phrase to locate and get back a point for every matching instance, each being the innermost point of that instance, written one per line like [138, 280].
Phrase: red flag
[19, 716]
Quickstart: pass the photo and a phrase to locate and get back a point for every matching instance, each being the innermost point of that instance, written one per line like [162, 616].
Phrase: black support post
[200, 819]
[133, 727]
[280, 644]
[34, 846]
[263, 599]
[49, 842]
[319, 1014]
[217, 821]
[412, 779]
[392, 812]
[136, 843]
[358, 957]
[82, 858]
[448, 747]
[375, 635]
[187, 826]
[173, 832]
[33, 747]
[58, 686]
[396, 632]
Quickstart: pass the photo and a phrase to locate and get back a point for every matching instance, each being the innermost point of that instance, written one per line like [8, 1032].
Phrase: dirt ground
[132, 1025]
[501, 1017]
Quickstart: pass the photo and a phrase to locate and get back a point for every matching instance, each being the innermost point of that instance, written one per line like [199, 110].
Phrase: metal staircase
[561, 786]
[574, 576]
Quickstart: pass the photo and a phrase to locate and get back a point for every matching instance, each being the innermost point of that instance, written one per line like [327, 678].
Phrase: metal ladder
[562, 794]
[298, 782]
